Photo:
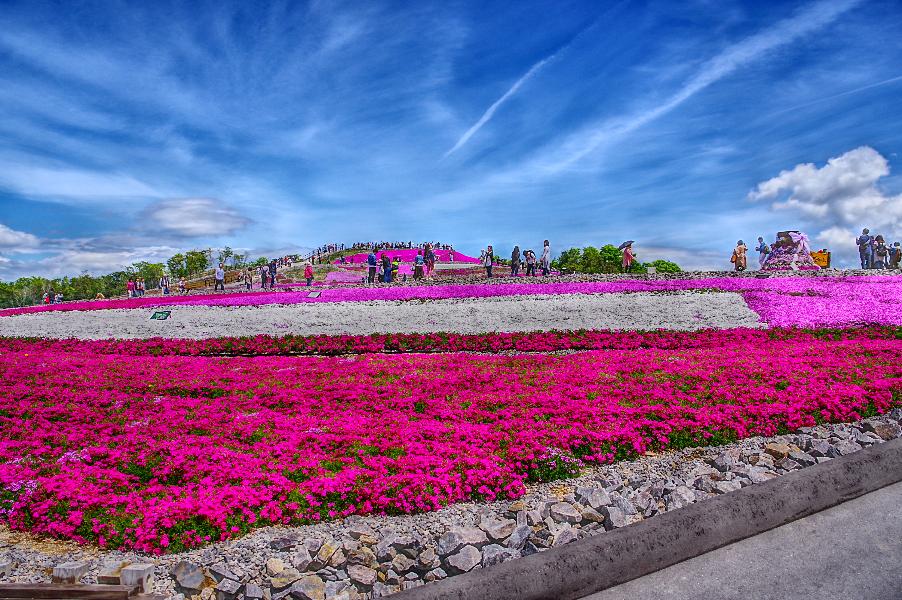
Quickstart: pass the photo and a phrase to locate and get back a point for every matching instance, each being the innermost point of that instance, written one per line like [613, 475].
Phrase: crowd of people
[520, 260]
[875, 253]
[873, 250]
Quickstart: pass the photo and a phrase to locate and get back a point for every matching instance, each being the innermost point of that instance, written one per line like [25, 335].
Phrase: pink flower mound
[781, 301]
[162, 453]
[409, 255]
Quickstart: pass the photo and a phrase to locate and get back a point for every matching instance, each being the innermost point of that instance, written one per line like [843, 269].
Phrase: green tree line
[607, 259]
[29, 290]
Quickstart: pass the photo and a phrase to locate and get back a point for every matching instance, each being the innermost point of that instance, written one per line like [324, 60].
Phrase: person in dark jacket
[515, 261]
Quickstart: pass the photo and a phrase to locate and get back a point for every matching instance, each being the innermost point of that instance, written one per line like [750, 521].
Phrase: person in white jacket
[545, 260]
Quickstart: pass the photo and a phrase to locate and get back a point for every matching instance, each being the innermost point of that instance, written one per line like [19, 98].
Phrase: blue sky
[130, 131]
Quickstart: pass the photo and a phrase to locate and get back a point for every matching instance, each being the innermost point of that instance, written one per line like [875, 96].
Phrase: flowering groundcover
[780, 301]
[160, 453]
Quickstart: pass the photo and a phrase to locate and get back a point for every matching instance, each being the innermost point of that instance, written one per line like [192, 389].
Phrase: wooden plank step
[59, 591]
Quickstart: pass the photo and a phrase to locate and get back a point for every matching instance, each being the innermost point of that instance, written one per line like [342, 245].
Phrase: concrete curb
[603, 561]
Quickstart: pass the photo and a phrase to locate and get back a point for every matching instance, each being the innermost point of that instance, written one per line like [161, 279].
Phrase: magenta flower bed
[332, 345]
[408, 256]
[782, 301]
[162, 453]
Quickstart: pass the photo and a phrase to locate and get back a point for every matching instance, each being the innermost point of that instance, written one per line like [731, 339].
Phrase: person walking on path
[866, 248]
[545, 260]
[308, 274]
[248, 278]
[487, 260]
[740, 256]
[164, 284]
[264, 275]
[763, 250]
[628, 257]
[373, 264]
[219, 275]
[272, 273]
[515, 261]
[130, 288]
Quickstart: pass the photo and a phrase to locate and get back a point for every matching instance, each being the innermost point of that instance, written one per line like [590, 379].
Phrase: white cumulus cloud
[841, 198]
[194, 217]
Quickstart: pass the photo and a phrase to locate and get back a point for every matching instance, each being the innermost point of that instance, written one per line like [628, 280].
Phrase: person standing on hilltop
[628, 257]
[219, 275]
[429, 260]
[386, 268]
[739, 258]
[372, 264]
[487, 258]
[545, 259]
[763, 250]
[866, 248]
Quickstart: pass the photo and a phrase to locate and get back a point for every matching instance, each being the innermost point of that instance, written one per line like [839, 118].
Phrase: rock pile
[371, 557]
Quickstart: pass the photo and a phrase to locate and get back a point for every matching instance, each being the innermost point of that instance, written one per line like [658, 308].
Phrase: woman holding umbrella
[628, 256]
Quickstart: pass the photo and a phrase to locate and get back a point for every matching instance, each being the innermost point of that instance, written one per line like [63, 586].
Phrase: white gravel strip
[634, 311]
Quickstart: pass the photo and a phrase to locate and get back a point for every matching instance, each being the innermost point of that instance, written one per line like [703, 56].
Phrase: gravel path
[635, 311]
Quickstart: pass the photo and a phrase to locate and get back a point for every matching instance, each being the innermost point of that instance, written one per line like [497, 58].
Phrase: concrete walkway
[853, 550]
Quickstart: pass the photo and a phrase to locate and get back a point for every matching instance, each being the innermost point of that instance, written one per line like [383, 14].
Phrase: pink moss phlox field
[408, 255]
[780, 301]
[160, 453]
[540, 341]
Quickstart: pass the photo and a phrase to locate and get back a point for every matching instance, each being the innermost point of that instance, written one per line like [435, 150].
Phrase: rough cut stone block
[69, 572]
[6, 567]
[110, 572]
[227, 589]
[252, 591]
[140, 575]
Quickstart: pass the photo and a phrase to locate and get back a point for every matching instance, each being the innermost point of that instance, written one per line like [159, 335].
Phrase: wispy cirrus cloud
[589, 139]
[490, 111]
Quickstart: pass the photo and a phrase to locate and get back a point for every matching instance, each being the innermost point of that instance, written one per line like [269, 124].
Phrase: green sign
[160, 315]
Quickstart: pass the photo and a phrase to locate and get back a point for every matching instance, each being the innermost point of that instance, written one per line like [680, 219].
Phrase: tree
[196, 261]
[176, 266]
[150, 272]
[225, 255]
[606, 260]
[664, 266]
